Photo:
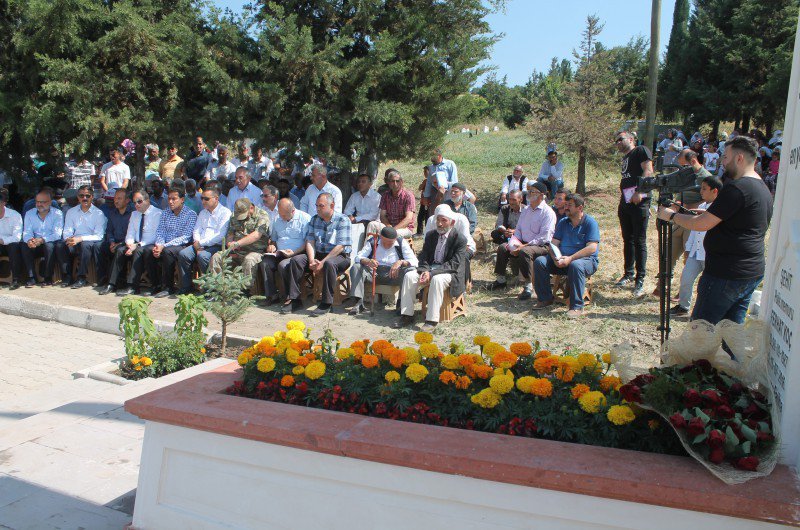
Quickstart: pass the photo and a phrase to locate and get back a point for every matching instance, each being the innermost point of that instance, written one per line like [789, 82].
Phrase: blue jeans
[553, 186]
[186, 259]
[577, 272]
[719, 299]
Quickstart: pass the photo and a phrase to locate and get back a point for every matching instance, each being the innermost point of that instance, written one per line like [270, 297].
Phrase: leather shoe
[357, 309]
[66, 282]
[14, 285]
[542, 305]
[126, 292]
[161, 294]
[403, 322]
[30, 283]
[525, 295]
[108, 289]
[496, 286]
[322, 309]
[80, 283]
[293, 307]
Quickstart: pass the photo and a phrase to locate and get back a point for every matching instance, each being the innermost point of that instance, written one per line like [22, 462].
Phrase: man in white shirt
[242, 189]
[260, 166]
[711, 158]
[210, 229]
[243, 157]
[363, 206]
[269, 201]
[515, 181]
[551, 173]
[10, 238]
[84, 230]
[389, 261]
[320, 184]
[115, 174]
[221, 168]
[138, 248]
[42, 228]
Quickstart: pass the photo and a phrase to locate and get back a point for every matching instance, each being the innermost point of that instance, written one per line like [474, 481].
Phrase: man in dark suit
[442, 264]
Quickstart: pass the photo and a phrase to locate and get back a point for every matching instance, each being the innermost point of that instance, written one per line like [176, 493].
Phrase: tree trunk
[770, 123]
[746, 123]
[580, 186]
[368, 163]
[224, 337]
[714, 128]
[138, 168]
[736, 124]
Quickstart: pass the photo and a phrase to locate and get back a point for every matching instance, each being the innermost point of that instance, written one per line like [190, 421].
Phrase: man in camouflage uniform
[248, 234]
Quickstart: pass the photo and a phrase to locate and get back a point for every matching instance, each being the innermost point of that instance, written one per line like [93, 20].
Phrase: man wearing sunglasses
[84, 231]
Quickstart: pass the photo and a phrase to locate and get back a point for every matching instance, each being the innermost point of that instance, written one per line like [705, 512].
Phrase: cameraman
[634, 209]
[736, 223]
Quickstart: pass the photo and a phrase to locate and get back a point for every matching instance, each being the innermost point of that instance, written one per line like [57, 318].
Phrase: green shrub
[169, 353]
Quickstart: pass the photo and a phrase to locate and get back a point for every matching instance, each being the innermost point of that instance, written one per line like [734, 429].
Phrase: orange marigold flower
[369, 360]
[521, 348]
[310, 356]
[447, 377]
[466, 359]
[565, 373]
[397, 357]
[483, 371]
[287, 380]
[545, 365]
[542, 353]
[579, 390]
[541, 387]
[381, 347]
[463, 382]
[302, 361]
[609, 382]
[504, 359]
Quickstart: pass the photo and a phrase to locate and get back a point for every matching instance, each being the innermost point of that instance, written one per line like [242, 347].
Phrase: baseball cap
[538, 186]
[241, 209]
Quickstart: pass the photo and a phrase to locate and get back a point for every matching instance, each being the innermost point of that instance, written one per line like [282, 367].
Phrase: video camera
[668, 184]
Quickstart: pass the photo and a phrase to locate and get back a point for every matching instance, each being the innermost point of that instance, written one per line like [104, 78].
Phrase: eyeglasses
[84, 196]
[266, 196]
[140, 201]
[205, 199]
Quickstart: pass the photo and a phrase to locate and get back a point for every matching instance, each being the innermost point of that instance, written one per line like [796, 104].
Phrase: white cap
[445, 211]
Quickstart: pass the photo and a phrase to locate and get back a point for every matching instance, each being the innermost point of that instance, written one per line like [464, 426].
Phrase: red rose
[712, 397]
[715, 439]
[692, 398]
[695, 427]
[724, 412]
[764, 437]
[736, 388]
[717, 455]
[642, 380]
[748, 463]
[678, 421]
[631, 393]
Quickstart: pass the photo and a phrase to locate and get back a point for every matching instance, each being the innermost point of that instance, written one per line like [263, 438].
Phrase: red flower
[692, 398]
[717, 455]
[261, 386]
[764, 437]
[678, 421]
[642, 380]
[695, 427]
[712, 397]
[736, 388]
[631, 393]
[724, 412]
[715, 439]
[748, 463]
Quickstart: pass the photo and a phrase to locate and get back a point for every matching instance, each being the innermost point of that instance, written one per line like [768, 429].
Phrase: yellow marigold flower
[504, 359]
[545, 365]
[392, 376]
[491, 348]
[570, 362]
[147, 361]
[521, 349]
[135, 359]
[429, 350]
[447, 377]
[266, 364]
[267, 341]
[620, 414]
[524, 384]
[579, 390]
[369, 360]
[542, 353]
[315, 370]
[283, 345]
[609, 382]
[486, 398]
[588, 361]
[397, 357]
[463, 382]
[450, 362]
[243, 358]
[345, 353]
[592, 401]
[292, 355]
[606, 358]
[298, 370]
[138, 367]
[295, 335]
[295, 325]
[421, 337]
[279, 335]
[416, 372]
[412, 355]
[542, 387]
[502, 384]
[567, 366]
[481, 340]
[287, 380]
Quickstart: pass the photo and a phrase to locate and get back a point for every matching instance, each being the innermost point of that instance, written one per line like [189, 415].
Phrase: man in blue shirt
[287, 239]
[118, 214]
[577, 237]
[196, 162]
[442, 174]
[174, 233]
[83, 234]
[42, 228]
[327, 253]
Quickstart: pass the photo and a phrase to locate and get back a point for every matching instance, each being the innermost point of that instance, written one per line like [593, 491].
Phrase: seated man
[209, 230]
[559, 203]
[507, 218]
[43, 228]
[461, 225]
[327, 253]
[11, 237]
[242, 188]
[247, 238]
[287, 238]
[397, 207]
[459, 205]
[442, 264]
[577, 237]
[552, 173]
[118, 214]
[269, 200]
[389, 261]
[515, 181]
[173, 234]
[530, 239]
[138, 248]
[84, 230]
[363, 205]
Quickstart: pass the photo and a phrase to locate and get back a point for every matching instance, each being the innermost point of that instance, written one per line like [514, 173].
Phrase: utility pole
[652, 85]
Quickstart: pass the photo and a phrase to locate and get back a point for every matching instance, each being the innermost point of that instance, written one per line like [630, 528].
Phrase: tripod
[665, 229]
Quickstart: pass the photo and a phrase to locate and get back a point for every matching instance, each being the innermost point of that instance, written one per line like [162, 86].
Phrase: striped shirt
[327, 235]
[80, 174]
[174, 229]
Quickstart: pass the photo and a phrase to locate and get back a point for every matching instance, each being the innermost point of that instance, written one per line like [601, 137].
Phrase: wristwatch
[671, 217]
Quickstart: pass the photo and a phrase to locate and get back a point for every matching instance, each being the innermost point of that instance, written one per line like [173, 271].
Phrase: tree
[629, 64]
[674, 71]
[373, 77]
[586, 121]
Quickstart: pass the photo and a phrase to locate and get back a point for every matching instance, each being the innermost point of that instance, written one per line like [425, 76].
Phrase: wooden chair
[451, 308]
[559, 285]
[312, 285]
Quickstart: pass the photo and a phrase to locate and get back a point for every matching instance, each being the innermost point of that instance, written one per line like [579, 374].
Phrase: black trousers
[633, 219]
[86, 250]
[13, 251]
[46, 250]
[142, 260]
[330, 271]
[272, 270]
[169, 261]
[525, 259]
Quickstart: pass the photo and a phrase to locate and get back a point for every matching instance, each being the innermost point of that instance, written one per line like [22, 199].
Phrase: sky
[535, 31]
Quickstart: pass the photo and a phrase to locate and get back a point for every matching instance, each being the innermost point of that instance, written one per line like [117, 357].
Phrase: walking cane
[374, 273]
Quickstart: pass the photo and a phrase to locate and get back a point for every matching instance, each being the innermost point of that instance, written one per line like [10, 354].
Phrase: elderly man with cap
[247, 238]
[531, 239]
[442, 265]
[287, 238]
[390, 260]
[515, 181]
[464, 207]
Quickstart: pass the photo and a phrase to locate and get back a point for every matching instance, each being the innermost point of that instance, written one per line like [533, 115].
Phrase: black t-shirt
[735, 247]
[632, 167]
